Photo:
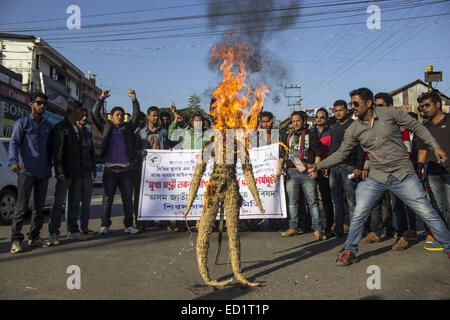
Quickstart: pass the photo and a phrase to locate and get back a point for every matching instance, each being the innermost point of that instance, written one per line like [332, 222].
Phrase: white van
[8, 186]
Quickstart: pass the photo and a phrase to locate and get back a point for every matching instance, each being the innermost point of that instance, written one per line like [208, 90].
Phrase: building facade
[42, 69]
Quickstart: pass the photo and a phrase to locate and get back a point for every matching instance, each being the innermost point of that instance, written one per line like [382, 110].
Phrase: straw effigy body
[222, 190]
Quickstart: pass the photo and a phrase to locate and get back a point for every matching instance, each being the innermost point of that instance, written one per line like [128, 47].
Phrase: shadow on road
[303, 252]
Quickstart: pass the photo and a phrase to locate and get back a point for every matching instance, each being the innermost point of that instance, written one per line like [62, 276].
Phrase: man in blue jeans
[378, 132]
[438, 174]
[340, 184]
[305, 146]
[29, 156]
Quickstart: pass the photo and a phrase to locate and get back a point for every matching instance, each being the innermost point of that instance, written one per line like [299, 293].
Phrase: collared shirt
[357, 156]
[383, 142]
[29, 146]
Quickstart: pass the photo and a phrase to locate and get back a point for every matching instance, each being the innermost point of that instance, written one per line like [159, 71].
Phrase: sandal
[346, 259]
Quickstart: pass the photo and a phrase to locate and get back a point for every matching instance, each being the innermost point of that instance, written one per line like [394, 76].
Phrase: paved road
[162, 265]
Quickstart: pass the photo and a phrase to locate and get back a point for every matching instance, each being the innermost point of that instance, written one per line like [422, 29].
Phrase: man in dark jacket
[68, 162]
[119, 151]
[304, 146]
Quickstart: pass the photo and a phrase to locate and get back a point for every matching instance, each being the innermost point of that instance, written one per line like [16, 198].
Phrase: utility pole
[290, 96]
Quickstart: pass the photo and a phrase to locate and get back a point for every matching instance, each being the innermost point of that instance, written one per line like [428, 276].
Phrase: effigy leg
[232, 207]
[207, 221]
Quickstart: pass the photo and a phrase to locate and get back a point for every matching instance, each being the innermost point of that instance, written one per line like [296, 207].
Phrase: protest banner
[166, 178]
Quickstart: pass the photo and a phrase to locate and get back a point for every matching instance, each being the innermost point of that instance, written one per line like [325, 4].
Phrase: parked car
[8, 186]
[99, 179]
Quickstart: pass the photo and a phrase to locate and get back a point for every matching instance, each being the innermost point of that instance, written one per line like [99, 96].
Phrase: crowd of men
[372, 160]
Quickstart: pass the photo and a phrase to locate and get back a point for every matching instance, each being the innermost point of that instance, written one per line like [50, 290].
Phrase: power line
[203, 16]
[326, 4]
[264, 41]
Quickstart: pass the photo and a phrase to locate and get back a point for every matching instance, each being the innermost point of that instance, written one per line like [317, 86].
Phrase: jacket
[70, 156]
[312, 147]
[105, 126]
[30, 146]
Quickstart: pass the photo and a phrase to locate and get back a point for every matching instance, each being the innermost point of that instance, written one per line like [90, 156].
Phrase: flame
[233, 108]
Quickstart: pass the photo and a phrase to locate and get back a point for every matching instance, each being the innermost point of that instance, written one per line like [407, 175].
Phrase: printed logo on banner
[154, 160]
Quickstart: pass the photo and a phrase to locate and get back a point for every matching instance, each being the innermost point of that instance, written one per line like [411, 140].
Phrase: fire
[233, 107]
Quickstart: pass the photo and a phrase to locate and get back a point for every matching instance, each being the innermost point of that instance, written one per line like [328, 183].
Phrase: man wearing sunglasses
[379, 134]
[438, 173]
[396, 212]
[30, 157]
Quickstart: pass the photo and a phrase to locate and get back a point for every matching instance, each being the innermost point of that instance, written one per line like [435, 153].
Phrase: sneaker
[289, 233]
[400, 244]
[89, 232]
[37, 243]
[430, 239]
[319, 236]
[434, 246]
[53, 240]
[412, 234]
[131, 230]
[79, 236]
[104, 230]
[16, 247]
[346, 259]
[371, 237]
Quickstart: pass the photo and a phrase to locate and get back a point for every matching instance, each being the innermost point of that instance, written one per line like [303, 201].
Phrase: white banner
[166, 178]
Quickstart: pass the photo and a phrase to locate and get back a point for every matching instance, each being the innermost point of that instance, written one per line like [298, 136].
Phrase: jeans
[73, 187]
[395, 209]
[439, 190]
[112, 181]
[24, 185]
[411, 192]
[327, 203]
[295, 181]
[340, 183]
[86, 195]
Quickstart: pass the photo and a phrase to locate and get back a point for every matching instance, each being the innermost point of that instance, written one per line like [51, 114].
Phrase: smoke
[251, 22]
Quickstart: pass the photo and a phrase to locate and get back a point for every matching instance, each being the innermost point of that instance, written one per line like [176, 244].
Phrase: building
[405, 97]
[42, 68]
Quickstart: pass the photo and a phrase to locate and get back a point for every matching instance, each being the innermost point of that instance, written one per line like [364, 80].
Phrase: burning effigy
[235, 108]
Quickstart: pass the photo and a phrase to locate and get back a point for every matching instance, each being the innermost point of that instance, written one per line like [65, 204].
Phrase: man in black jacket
[68, 163]
[119, 151]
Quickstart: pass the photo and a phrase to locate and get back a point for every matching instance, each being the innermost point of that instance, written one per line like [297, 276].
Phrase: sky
[162, 49]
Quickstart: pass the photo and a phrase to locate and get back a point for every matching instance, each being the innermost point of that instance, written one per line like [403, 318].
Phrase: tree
[194, 103]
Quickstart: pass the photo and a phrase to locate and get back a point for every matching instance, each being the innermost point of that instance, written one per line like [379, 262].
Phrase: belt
[118, 169]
